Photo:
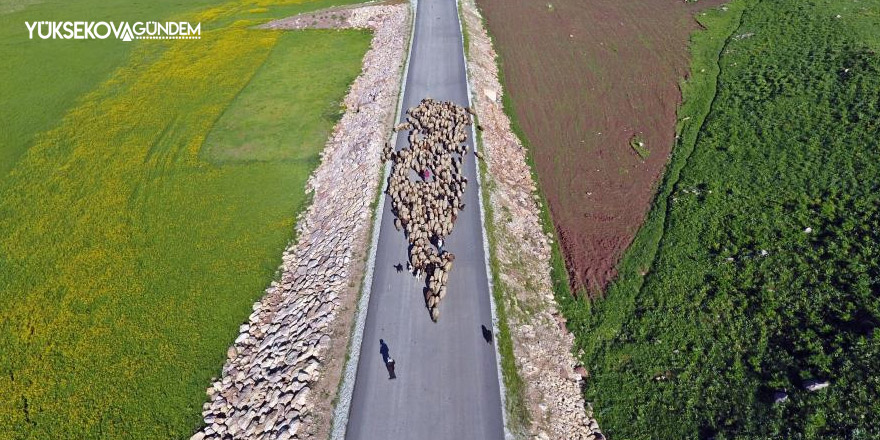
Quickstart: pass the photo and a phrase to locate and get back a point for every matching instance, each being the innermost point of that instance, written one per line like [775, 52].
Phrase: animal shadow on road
[487, 334]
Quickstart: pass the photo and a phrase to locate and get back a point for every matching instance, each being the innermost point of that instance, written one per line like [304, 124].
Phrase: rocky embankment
[542, 345]
[284, 367]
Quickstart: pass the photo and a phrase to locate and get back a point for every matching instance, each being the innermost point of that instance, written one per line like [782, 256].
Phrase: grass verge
[517, 411]
[558, 272]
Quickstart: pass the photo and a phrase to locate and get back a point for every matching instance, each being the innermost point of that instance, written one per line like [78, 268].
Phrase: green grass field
[131, 248]
[757, 269]
[275, 117]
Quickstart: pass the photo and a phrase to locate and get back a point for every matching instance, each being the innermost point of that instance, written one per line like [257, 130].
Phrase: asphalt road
[447, 380]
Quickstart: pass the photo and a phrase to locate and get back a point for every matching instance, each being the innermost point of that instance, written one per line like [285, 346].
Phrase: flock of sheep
[427, 186]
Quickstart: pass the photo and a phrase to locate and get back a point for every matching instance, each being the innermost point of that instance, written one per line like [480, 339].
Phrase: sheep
[426, 209]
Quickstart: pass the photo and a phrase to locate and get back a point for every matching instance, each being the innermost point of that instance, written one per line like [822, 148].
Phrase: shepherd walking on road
[390, 365]
[386, 358]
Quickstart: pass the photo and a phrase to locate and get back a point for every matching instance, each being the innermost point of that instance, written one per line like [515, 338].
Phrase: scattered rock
[491, 94]
[815, 385]
[779, 397]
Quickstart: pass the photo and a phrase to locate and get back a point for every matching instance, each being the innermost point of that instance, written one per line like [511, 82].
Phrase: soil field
[585, 83]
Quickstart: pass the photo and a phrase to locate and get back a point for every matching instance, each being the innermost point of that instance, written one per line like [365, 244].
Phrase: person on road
[389, 364]
[386, 358]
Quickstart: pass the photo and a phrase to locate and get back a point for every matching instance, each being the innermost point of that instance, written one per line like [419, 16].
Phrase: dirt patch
[585, 78]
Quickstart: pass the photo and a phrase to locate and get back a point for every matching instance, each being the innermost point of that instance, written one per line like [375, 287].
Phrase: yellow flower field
[127, 260]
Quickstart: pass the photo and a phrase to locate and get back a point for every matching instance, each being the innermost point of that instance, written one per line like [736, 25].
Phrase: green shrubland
[758, 269]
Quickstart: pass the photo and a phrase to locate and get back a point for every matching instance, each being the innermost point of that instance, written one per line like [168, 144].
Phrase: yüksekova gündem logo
[125, 31]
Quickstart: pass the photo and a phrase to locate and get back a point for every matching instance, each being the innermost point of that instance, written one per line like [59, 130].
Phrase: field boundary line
[485, 239]
[675, 174]
[343, 405]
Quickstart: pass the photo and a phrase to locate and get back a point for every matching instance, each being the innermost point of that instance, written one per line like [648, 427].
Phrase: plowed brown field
[584, 78]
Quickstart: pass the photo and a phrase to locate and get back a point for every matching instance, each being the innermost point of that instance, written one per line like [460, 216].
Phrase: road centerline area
[446, 379]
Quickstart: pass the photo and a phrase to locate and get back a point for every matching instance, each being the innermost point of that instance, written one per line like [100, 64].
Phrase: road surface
[447, 380]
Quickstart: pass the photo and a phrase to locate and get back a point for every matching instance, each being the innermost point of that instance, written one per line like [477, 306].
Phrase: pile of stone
[541, 343]
[283, 368]
[427, 206]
